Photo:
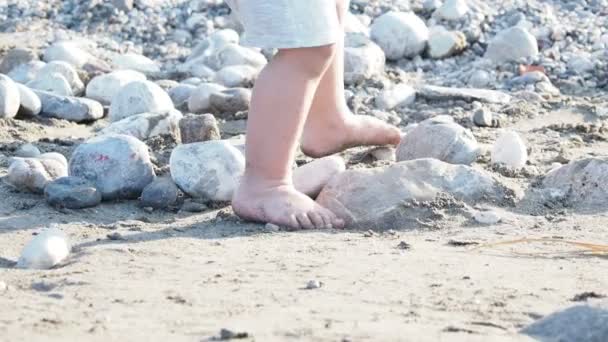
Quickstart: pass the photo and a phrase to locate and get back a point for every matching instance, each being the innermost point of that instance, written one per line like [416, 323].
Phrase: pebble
[209, 170]
[487, 217]
[72, 193]
[512, 44]
[199, 99]
[480, 79]
[510, 150]
[228, 102]
[363, 59]
[310, 178]
[444, 140]
[136, 62]
[453, 10]
[46, 250]
[313, 284]
[198, 128]
[30, 104]
[119, 166]
[146, 125]
[483, 118]
[443, 43]
[66, 51]
[16, 57]
[3, 286]
[139, 97]
[162, 193]
[33, 174]
[9, 98]
[400, 34]
[104, 87]
[27, 151]
[236, 76]
[180, 94]
[68, 107]
[400, 95]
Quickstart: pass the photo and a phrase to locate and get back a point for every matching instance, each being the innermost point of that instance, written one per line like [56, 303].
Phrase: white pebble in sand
[510, 150]
[487, 217]
[46, 250]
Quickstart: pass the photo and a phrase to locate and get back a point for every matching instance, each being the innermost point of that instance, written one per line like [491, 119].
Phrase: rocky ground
[122, 126]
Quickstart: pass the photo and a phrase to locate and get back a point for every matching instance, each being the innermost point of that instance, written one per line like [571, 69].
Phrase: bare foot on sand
[281, 204]
[326, 136]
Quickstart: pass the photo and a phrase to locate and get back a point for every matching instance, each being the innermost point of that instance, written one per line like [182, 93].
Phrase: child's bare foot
[280, 204]
[332, 134]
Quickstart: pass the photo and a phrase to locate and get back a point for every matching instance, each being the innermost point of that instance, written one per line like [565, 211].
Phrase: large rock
[209, 170]
[9, 98]
[399, 96]
[139, 97]
[583, 182]
[30, 102]
[310, 178]
[25, 73]
[363, 59]
[69, 108]
[68, 52]
[104, 87]
[72, 193]
[441, 139]
[393, 197]
[146, 125]
[118, 166]
[54, 83]
[512, 44]
[133, 61]
[466, 94]
[400, 34]
[198, 128]
[46, 250]
[33, 174]
[67, 71]
[16, 57]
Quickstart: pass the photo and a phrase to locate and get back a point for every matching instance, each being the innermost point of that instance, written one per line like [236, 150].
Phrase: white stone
[487, 217]
[399, 96]
[216, 40]
[119, 166]
[54, 83]
[453, 10]
[9, 98]
[133, 61]
[354, 25]
[180, 95]
[211, 170]
[146, 125]
[443, 43]
[233, 54]
[69, 108]
[104, 87]
[30, 102]
[46, 250]
[310, 178]
[67, 52]
[363, 59]
[138, 97]
[400, 34]
[27, 151]
[512, 44]
[582, 182]
[480, 79]
[510, 150]
[199, 99]
[25, 73]
[67, 71]
[58, 157]
[33, 174]
[236, 75]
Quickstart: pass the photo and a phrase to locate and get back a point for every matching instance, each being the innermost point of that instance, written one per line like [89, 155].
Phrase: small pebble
[116, 236]
[3, 286]
[313, 284]
[487, 217]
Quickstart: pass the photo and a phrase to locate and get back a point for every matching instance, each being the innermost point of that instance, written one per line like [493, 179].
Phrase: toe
[317, 220]
[293, 223]
[304, 221]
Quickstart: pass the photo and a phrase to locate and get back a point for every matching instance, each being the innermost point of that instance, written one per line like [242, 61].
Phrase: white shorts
[285, 24]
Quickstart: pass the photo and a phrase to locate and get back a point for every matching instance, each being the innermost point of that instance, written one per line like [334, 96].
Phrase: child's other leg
[331, 127]
[281, 100]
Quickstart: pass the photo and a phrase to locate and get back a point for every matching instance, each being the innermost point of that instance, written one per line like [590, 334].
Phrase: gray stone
[209, 170]
[162, 193]
[9, 98]
[138, 97]
[480, 79]
[199, 128]
[25, 73]
[466, 94]
[16, 57]
[30, 102]
[400, 34]
[180, 95]
[27, 151]
[363, 59]
[68, 107]
[399, 96]
[146, 125]
[119, 166]
[33, 174]
[230, 101]
[440, 139]
[123, 5]
[483, 118]
[104, 87]
[511, 45]
[72, 193]
[582, 182]
[393, 197]
[310, 178]
[199, 99]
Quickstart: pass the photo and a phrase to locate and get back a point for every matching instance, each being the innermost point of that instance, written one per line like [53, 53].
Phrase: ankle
[252, 179]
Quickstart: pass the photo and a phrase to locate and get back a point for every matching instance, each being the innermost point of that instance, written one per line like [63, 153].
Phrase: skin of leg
[330, 126]
[280, 103]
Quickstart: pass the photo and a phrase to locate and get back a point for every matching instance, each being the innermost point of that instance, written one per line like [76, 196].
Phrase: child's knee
[313, 60]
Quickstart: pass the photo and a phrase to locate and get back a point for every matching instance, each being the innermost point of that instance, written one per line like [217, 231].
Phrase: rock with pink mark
[312, 177]
[119, 166]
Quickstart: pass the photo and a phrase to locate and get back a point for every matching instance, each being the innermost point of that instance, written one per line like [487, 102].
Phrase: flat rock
[46, 250]
[441, 139]
[33, 174]
[146, 125]
[72, 193]
[162, 193]
[68, 107]
[391, 197]
[198, 128]
[30, 103]
[310, 178]
[119, 166]
[438, 93]
[199, 98]
[9, 98]
[16, 57]
[582, 182]
[139, 97]
[512, 44]
[104, 87]
[363, 59]
[209, 170]
[400, 34]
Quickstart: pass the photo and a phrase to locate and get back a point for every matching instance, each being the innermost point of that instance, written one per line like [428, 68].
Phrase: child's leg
[281, 100]
[331, 127]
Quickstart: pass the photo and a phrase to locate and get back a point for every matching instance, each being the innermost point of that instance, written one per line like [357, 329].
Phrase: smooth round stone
[30, 102]
[139, 97]
[67, 52]
[512, 44]
[443, 43]
[236, 75]
[510, 150]
[483, 118]
[58, 157]
[198, 128]
[199, 99]
[230, 101]
[453, 10]
[27, 151]
[399, 96]
[25, 73]
[400, 34]
[104, 87]
[33, 174]
[67, 71]
[363, 59]
[233, 54]
[54, 83]
[160, 194]
[45, 250]
[16, 57]
[480, 79]
[9, 98]
[133, 61]
[211, 170]
[119, 166]
[146, 125]
[72, 193]
[180, 95]
[487, 217]
[310, 178]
